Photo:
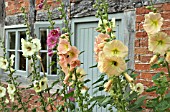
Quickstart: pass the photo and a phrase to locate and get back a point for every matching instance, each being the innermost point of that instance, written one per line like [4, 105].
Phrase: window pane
[22, 62]
[22, 34]
[54, 65]
[10, 53]
[11, 40]
[43, 36]
[44, 61]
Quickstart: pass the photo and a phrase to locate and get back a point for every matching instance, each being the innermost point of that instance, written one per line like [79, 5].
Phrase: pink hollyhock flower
[63, 47]
[71, 98]
[99, 44]
[51, 42]
[63, 63]
[50, 52]
[53, 37]
[54, 33]
[72, 54]
[40, 6]
[74, 64]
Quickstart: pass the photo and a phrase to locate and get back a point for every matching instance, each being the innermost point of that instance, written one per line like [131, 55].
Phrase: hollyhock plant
[64, 46]
[28, 48]
[72, 54]
[3, 63]
[159, 43]
[115, 48]
[37, 44]
[53, 38]
[2, 91]
[11, 88]
[153, 23]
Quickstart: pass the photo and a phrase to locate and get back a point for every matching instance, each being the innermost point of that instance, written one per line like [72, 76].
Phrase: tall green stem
[120, 88]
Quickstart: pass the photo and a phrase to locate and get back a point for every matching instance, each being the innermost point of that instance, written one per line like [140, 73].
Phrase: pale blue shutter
[84, 39]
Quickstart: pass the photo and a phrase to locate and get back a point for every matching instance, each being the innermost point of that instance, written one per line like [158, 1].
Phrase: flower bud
[128, 78]
[153, 59]
[108, 85]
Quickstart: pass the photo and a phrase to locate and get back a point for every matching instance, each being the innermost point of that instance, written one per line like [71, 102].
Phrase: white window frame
[21, 27]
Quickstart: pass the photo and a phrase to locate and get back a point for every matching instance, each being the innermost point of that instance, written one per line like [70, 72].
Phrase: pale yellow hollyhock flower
[2, 92]
[101, 58]
[115, 48]
[167, 58]
[43, 83]
[113, 66]
[159, 43]
[139, 88]
[153, 59]
[11, 88]
[153, 23]
[80, 72]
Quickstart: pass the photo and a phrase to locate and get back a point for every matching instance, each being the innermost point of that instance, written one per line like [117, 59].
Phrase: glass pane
[22, 62]
[44, 61]
[43, 37]
[11, 40]
[22, 34]
[9, 55]
[54, 65]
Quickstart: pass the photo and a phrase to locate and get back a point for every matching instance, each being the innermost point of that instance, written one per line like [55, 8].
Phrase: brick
[165, 15]
[146, 75]
[140, 18]
[142, 10]
[141, 27]
[145, 59]
[137, 43]
[144, 42]
[142, 51]
[166, 7]
[144, 67]
[141, 34]
[167, 31]
[137, 26]
[166, 24]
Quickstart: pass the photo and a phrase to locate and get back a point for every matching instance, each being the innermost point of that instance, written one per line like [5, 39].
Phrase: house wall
[82, 8]
[142, 54]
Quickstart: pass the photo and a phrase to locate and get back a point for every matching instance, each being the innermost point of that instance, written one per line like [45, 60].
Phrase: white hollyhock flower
[11, 96]
[28, 48]
[11, 88]
[12, 60]
[2, 92]
[3, 63]
[37, 43]
[37, 87]
[43, 83]
[6, 101]
[139, 88]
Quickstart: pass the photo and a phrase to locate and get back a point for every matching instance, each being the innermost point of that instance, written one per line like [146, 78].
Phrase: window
[13, 46]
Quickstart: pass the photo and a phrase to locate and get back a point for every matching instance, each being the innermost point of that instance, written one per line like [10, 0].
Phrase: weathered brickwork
[142, 54]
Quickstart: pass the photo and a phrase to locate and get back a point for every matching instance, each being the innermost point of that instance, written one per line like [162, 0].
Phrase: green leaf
[154, 66]
[153, 88]
[140, 100]
[69, 95]
[106, 101]
[94, 66]
[167, 96]
[97, 98]
[134, 75]
[86, 81]
[81, 52]
[100, 79]
[163, 105]
[156, 76]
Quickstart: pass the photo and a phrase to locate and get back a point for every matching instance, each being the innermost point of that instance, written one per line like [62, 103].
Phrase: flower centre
[29, 48]
[114, 63]
[115, 51]
[0, 91]
[138, 88]
[42, 83]
[160, 42]
[155, 23]
[12, 88]
[4, 63]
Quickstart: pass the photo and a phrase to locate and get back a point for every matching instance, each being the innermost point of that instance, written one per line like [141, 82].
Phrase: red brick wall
[14, 6]
[142, 54]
